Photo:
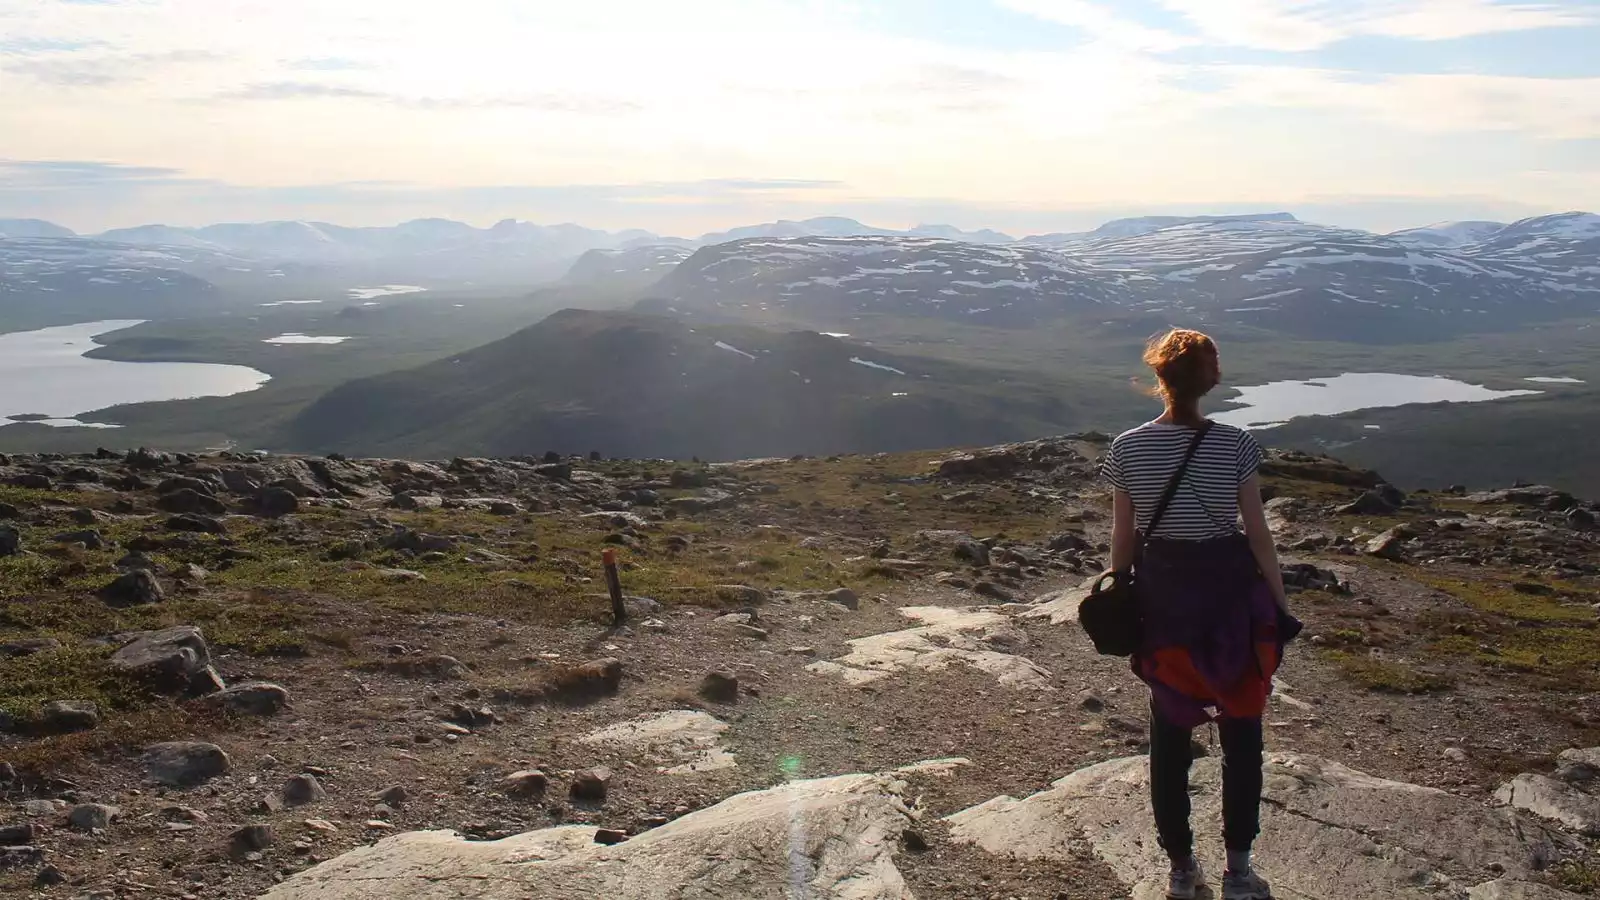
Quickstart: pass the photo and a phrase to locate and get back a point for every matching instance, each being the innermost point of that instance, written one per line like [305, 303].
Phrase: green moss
[1384, 675]
[1564, 604]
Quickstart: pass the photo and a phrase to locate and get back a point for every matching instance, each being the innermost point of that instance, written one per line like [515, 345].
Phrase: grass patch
[1387, 676]
[1578, 877]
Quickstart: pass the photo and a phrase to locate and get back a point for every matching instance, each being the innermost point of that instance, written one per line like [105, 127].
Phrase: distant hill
[830, 279]
[627, 384]
[32, 228]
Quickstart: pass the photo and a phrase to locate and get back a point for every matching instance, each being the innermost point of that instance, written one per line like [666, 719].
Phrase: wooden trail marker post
[619, 610]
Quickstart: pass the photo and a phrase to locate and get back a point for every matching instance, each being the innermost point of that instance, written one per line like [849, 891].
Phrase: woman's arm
[1124, 532]
[1260, 535]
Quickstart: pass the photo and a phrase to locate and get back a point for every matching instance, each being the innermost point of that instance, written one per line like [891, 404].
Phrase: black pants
[1170, 756]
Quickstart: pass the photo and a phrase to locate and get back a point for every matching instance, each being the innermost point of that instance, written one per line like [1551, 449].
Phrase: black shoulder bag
[1110, 614]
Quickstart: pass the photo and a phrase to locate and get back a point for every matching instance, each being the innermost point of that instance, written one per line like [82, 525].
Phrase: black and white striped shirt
[1206, 506]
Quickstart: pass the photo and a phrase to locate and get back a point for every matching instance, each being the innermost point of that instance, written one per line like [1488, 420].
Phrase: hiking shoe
[1248, 886]
[1185, 884]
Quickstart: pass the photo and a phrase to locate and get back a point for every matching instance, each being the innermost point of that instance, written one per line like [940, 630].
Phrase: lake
[295, 337]
[44, 373]
[1270, 405]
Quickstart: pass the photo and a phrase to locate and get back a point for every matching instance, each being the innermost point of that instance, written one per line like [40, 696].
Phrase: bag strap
[1177, 478]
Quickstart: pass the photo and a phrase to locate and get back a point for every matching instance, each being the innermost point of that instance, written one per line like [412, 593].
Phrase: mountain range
[1269, 269]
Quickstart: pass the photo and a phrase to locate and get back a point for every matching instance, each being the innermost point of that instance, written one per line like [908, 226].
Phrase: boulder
[169, 658]
[590, 785]
[527, 783]
[1328, 832]
[89, 537]
[189, 500]
[1391, 544]
[1371, 503]
[185, 763]
[720, 687]
[135, 588]
[66, 716]
[182, 482]
[301, 790]
[830, 839]
[276, 502]
[196, 523]
[92, 816]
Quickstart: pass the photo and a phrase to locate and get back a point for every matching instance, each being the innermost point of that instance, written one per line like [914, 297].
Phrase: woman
[1212, 601]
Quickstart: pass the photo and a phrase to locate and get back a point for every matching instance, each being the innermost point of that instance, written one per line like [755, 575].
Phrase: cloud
[62, 175]
[77, 69]
[313, 90]
[1097, 20]
[1548, 108]
[1303, 25]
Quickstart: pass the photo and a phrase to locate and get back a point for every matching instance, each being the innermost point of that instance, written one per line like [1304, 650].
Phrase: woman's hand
[1254, 513]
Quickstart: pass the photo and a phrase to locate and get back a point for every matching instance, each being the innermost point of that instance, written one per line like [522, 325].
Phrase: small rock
[28, 647]
[1455, 754]
[135, 588]
[393, 796]
[322, 826]
[527, 783]
[993, 591]
[256, 698]
[90, 539]
[169, 658]
[251, 838]
[720, 687]
[591, 785]
[34, 809]
[92, 816]
[20, 857]
[67, 716]
[750, 631]
[741, 594]
[17, 835]
[302, 790]
[1391, 544]
[844, 597]
[176, 813]
[185, 763]
[50, 876]
[610, 836]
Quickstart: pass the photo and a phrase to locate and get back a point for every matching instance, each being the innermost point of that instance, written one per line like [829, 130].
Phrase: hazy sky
[687, 115]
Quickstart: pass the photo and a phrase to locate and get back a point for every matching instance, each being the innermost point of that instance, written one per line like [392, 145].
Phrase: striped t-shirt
[1206, 506]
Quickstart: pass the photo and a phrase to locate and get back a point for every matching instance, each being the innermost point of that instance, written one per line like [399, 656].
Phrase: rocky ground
[218, 671]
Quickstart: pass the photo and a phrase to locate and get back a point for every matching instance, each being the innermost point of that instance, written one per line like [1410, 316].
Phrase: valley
[991, 339]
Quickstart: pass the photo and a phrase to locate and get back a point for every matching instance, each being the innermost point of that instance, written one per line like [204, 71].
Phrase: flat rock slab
[829, 839]
[1327, 833]
[1554, 800]
[977, 637]
[689, 741]
[1058, 608]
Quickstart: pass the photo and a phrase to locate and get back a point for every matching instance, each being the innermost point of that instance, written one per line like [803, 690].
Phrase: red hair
[1185, 363]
